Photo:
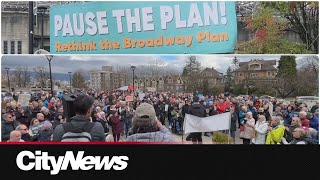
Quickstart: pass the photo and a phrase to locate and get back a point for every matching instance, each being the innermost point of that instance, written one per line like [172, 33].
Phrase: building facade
[107, 80]
[172, 83]
[255, 71]
[214, 77]
[177, 83]
[15, 35]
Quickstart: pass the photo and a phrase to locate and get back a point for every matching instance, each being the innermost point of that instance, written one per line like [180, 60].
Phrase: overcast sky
[66, 63]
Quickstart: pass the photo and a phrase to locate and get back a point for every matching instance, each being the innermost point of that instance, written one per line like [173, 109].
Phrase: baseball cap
[145, 111]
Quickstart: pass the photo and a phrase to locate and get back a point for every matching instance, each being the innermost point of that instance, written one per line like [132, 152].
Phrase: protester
[24, 132]
[83, 107]
[248, 123]
[196, 109]
[304, 120]
[147, 128]
[299, 136]
[116, 124]
[15, 136]
[260, 130]
[275, 131]
[7, 125]
[233, 124]
[45, 134]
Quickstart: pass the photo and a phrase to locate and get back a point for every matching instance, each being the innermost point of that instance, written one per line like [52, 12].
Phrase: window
[253, 75]
[240, 74]
[12, 44]
[19, 47]
[255, 67]
[170, 81]
[5, 47]
[268, 73]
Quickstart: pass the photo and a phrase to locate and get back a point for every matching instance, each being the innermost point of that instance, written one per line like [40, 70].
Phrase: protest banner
[24, 99]
[141, 96]
[207, 124]
[160, 27]
[129, 98]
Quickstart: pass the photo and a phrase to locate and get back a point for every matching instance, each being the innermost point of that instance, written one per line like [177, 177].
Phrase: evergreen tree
[286, 78]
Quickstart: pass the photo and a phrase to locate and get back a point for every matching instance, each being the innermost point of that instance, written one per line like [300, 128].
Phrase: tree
[22, 76]
[308, 77]
[78, 80]
[191, 67]
[205, 86]
[235, 63]
[4, 81]
[229, 81]
[191, 71]
[286, 78]
[42, 74]
[269, 36]
[303, 17]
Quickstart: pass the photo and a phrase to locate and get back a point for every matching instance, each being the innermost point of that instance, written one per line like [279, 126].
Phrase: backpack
[77, 135]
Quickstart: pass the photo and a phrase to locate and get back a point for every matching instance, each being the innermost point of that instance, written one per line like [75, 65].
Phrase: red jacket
[116, 124]
[305, 123]
[221, 107]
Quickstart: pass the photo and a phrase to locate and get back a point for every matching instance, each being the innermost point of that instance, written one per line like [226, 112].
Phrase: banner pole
[184, 120]
[229, 128]
[229, 137]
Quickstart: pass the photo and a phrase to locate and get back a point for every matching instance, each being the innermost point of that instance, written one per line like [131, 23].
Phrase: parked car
[308, 100]
[266, 97]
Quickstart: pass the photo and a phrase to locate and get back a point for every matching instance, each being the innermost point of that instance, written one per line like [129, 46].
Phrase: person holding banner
[196, 109]
[233, 125]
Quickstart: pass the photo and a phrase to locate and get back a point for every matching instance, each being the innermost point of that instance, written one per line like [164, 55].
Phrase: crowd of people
[155, 117]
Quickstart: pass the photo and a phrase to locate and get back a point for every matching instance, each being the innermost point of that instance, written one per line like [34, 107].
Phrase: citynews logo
[42, 161]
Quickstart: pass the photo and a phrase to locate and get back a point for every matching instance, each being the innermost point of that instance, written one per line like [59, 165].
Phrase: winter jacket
[45, 135]
[116, 124]
[241, 116]
[275, 135]
[78, 121]
[305, 123]
[164, 135]
[314, 123]
[6, 129]
[234, 120]
[197, 110]
[261, 131]
[22, 118]
[288, 134]
[221, 107]
[248, 131]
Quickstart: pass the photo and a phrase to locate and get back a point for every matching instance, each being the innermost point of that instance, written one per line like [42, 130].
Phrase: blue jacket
[314, 123]
[241, 116]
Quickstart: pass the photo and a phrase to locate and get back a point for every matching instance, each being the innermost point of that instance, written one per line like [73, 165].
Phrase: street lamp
[133, 68]
[7, 69]
[70, 80]
[49, 58]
